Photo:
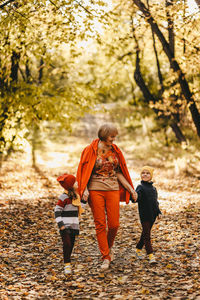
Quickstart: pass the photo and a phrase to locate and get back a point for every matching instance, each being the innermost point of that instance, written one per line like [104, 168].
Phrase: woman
[104, 180]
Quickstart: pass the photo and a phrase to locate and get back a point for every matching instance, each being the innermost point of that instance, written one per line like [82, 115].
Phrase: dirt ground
[31, 264]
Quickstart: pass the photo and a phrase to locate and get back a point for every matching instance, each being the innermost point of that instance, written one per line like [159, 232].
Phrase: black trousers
[68, 239]
[145, 238]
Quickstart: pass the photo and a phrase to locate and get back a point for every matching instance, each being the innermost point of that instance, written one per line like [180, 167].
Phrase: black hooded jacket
[148, 205]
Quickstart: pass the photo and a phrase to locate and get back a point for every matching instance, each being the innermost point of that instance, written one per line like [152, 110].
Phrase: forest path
[31, 251]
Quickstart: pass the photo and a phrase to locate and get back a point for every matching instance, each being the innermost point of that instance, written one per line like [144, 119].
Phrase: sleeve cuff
[60, 224]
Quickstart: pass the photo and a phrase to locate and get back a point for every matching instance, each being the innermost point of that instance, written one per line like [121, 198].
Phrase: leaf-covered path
[31, 254]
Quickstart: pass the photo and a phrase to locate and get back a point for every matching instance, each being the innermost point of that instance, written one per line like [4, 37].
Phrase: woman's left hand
[134, 195]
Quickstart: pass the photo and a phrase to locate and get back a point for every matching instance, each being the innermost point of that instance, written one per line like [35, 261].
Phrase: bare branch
[83, 7]
[6, 3]
[53, 4]
[124, 55]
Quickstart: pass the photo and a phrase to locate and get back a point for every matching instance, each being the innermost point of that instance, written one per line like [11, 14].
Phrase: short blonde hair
[107, 130]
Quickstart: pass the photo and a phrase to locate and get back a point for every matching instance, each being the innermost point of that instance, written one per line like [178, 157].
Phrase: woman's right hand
[62, 228]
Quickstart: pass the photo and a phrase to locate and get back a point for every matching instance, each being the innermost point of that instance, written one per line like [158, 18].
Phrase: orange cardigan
[86, 165]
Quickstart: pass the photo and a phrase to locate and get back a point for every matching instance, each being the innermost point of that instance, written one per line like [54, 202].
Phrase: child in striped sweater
[67, 212]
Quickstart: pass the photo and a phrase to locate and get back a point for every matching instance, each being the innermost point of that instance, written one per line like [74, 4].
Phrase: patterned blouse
[104, 172]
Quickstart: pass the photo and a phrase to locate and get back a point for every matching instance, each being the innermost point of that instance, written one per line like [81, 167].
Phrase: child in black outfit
[148, 207]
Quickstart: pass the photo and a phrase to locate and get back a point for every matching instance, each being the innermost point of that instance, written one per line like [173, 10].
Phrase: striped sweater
[66, 214]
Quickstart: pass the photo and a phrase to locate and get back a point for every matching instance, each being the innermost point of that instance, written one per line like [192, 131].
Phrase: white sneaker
[152, 259]
[67, 269]
[105, 265]
[138, 254]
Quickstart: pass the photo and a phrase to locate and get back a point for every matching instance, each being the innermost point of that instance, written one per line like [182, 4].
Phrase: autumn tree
[59, 57]
[165, 95]
[183, 82]
[38, 47]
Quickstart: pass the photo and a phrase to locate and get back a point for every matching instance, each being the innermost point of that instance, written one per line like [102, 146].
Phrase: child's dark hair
[72, 194]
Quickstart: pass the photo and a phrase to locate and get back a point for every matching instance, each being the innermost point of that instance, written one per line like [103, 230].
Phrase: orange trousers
[105, 203]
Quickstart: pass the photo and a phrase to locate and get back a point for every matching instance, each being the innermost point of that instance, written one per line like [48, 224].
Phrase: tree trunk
[149, 97]
[14, 66]
[34, 145]
[27, 71]
[157, 61]
[198, 3]
[170, 27]
[184, 13]
[41, 70]
[174, 64]
[140, 81]
[178, 133]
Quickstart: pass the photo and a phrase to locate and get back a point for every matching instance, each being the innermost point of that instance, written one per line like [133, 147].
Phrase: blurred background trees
[59, 59]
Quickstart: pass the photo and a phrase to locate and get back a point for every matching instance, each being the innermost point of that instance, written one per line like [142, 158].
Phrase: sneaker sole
[139, 257]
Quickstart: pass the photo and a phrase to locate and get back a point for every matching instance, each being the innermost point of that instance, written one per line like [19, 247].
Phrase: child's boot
[138, 253]
[152, 259]
[67, 269]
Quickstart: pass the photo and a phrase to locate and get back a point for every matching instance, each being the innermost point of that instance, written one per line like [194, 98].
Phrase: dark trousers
[145, 238]
[68, 239]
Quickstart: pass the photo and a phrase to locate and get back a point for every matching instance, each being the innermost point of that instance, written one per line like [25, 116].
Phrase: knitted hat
[66, 181]
[147, 168]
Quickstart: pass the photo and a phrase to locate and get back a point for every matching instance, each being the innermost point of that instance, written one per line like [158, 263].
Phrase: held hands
[127, 186]
[84, 198]
[85, 195]
[134, 195]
